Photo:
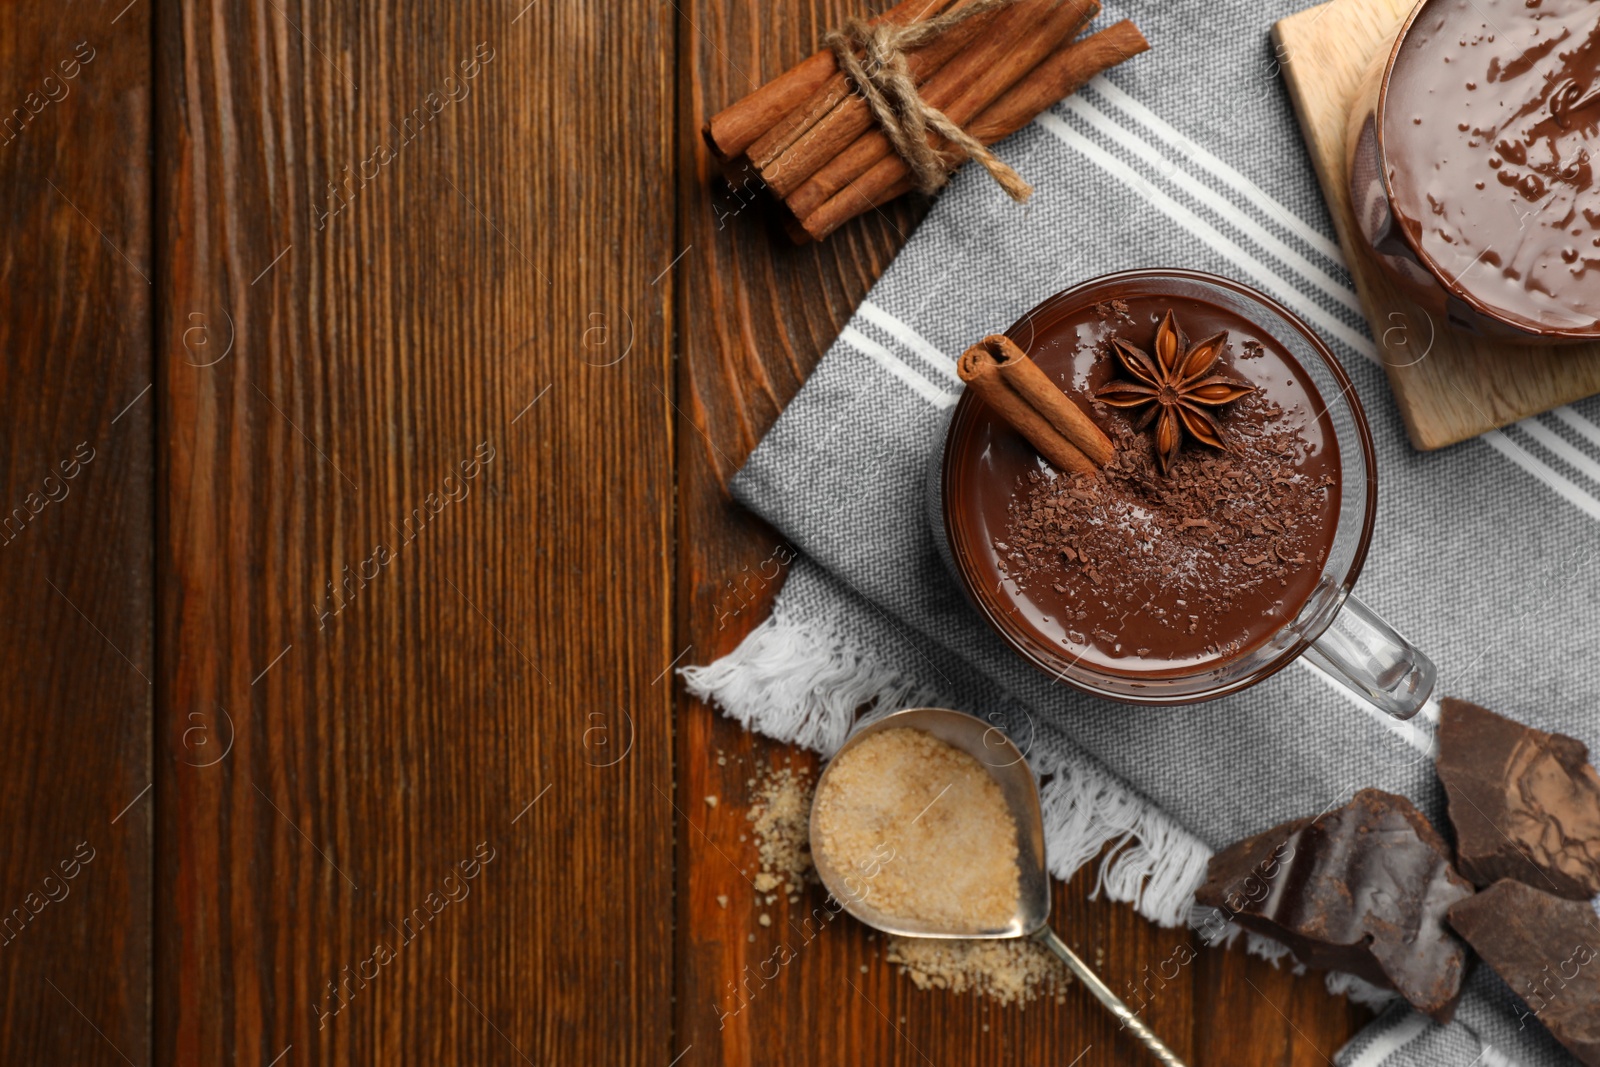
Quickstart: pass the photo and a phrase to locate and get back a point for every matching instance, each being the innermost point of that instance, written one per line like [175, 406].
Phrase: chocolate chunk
[1525, 804]
[1548, 951]
[1362, 889]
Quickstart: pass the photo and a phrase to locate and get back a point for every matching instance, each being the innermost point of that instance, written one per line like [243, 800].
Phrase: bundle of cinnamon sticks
[812, 138]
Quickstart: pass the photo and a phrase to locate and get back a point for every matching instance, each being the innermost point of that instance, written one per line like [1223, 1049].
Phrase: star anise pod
[1177, 384]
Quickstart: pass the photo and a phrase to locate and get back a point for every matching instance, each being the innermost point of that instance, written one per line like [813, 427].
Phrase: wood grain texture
[415, 534]
[76, 530]
[755, 315]
[389, 563]
[1461, 386]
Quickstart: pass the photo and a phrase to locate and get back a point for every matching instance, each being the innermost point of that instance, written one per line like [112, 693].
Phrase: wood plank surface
[76, 529]
[395, 556]
[415, 533]
[1448, 386]
[755, 315]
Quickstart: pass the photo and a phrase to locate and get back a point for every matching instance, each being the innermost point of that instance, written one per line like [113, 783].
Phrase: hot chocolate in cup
[1171, 578]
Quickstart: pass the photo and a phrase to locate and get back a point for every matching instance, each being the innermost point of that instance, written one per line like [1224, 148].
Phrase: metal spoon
[1009, 769]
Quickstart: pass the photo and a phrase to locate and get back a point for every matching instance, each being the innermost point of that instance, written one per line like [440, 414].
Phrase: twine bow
[885, 81]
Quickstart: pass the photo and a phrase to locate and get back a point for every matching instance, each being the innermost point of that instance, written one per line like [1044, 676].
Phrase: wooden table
[399, 356]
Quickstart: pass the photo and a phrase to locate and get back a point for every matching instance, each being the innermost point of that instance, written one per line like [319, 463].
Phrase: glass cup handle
[1366, 654]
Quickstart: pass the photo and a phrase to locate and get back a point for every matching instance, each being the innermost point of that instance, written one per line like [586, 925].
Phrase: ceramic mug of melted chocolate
[1474, 165]
[1172, 578]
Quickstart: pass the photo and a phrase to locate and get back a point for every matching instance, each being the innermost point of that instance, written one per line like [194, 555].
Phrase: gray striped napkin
[1485, 554]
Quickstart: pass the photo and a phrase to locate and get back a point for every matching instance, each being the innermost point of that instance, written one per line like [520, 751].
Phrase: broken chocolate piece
[1548, 951]
[1362, 889]
[1525, 804]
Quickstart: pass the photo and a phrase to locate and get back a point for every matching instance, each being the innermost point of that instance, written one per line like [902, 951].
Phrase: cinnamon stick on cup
[1025, 397]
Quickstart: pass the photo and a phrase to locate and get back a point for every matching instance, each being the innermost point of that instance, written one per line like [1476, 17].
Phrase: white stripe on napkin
[1571, 491]
[897, 367]
[1252, 193]
[909, 337]
[1241, 222]
[1266, 278]
[1563, 486]
[1564, 449]
[1407, 1030]
[1588, 430]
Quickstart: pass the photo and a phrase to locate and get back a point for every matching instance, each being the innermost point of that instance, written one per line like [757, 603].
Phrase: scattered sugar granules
[923, 831]
[780, 819]
[1012, 971]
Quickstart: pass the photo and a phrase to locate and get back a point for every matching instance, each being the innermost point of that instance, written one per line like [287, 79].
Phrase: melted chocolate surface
[1142, 574]
[1491, 139]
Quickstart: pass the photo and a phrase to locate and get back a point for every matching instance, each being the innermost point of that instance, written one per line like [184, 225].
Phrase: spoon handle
[1104, 995]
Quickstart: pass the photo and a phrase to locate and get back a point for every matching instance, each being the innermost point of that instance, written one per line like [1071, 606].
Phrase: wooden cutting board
[1449, 387]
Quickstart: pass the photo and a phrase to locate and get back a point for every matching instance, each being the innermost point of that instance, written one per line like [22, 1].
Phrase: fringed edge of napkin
[793, 684]
[1359, 990]
[799, 684]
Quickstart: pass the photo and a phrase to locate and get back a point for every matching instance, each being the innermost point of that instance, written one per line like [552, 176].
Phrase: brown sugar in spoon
[1009, 769]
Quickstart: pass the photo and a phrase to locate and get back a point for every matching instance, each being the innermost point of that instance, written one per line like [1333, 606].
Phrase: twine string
[874, 59]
